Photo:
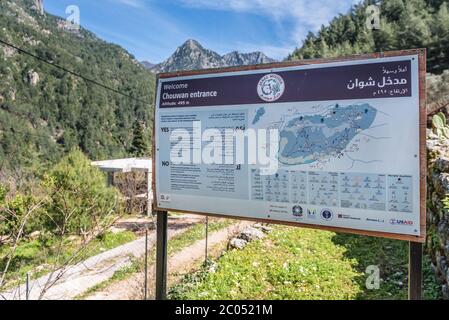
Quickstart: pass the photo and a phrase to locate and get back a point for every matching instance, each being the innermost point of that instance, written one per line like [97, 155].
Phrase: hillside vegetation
[44, 111]
[404, 24]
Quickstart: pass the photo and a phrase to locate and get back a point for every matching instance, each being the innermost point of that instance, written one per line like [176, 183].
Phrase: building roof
[125, 165]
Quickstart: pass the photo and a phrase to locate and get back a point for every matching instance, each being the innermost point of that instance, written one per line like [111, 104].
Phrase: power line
[23, 51]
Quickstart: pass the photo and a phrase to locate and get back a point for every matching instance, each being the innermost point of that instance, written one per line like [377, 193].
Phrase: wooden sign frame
[422, 139]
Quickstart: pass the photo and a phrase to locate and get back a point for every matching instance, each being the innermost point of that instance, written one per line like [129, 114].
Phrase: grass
[175, 245]
[391, 256]
[297, 263]
[194, 234]
[39, 256]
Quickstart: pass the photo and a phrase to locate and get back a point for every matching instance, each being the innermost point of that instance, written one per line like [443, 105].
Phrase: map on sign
[334, 144]
[309, 138]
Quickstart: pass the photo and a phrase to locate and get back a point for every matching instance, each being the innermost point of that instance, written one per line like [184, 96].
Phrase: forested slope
[45, 111]
[404, 24]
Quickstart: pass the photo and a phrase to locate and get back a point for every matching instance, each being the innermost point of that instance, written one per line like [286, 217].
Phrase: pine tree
[439, 48]
[139, 145]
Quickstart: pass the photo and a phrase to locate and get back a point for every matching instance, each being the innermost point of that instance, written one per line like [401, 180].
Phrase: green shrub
[17, 210]
[79, 199]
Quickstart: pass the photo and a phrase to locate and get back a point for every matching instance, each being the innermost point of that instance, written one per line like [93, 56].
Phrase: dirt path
[79, 278]
[182, 262]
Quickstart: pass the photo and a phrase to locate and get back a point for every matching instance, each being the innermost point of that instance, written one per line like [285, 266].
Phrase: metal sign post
[146, 265]
[27, 293]
[415, 271]
[207, 240]
[161, 255]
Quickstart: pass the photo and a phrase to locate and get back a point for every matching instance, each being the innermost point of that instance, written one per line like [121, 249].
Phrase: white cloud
[304, 15]
[131, 3]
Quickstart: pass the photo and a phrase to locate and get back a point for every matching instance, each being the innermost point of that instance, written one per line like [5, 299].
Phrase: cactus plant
[439, 124]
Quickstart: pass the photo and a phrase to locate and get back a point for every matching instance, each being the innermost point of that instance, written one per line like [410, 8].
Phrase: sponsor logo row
[328, 215]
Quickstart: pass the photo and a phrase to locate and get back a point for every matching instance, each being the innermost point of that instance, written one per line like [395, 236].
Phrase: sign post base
[161, 255]
[415, 271]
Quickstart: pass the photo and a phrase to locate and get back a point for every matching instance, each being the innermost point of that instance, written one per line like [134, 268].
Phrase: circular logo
[326, 214]
[297, 211]
[271, 87]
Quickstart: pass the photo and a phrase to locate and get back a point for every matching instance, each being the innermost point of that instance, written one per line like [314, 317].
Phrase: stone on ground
[236, 243]
[250, 234]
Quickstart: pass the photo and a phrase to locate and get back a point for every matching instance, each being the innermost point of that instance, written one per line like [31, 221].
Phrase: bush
[79, 199]
[17, 210]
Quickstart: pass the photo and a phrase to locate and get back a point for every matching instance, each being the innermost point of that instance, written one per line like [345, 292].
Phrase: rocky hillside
[45, 111]
[438, 209]
[192, 55]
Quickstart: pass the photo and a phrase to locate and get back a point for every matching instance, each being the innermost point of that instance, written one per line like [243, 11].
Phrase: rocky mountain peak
[192, 44]
[191, 55]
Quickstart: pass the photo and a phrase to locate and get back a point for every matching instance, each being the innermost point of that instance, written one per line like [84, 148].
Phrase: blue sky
[153, 29]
